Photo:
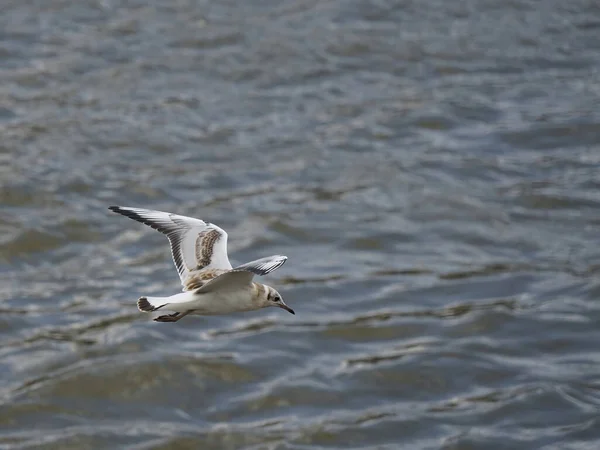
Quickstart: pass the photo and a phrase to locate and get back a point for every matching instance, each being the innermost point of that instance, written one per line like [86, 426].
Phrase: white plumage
[210, 285]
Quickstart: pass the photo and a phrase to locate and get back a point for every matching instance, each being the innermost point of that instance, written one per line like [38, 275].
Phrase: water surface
[431, 169]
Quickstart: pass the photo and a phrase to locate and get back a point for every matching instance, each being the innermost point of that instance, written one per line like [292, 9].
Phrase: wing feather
[195, 244]
[228, 281]
[265, 265]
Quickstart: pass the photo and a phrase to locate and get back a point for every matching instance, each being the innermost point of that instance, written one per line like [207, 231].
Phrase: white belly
[214, 303]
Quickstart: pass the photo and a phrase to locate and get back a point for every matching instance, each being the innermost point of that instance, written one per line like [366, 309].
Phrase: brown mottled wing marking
[200, 278]
[205, 244]
[192, 284]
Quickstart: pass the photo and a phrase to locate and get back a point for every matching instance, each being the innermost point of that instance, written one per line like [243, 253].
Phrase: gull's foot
[168, 318]
[172, 317]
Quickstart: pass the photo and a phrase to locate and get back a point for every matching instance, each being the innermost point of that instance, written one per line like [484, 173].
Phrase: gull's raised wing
[195, 244]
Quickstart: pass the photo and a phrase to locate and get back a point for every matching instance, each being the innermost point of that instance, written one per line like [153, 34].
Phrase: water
[431, 169]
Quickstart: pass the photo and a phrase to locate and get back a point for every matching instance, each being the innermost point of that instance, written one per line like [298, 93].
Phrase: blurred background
[430, 168]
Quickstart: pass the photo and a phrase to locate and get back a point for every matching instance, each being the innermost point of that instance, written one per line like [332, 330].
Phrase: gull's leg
[172, 317]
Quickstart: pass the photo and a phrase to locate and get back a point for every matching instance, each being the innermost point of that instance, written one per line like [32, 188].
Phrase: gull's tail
[149, 304]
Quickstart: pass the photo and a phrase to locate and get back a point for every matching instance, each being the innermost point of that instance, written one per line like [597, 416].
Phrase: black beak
[287, 308]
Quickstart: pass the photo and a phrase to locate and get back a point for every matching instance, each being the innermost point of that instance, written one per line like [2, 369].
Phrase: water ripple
[429, 170]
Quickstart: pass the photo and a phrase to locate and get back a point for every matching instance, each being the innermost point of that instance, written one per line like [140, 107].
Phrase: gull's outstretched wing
[195, 244]
[263, 266]
[242, 275]
[228, 281]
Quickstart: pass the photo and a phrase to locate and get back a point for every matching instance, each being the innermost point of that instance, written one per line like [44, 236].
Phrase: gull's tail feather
[149, 304]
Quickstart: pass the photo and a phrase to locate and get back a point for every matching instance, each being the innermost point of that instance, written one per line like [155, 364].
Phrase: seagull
[211, 285]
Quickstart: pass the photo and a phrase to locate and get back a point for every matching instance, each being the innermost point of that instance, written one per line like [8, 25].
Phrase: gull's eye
[277, 298]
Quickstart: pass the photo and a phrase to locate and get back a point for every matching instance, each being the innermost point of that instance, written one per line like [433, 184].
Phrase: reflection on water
[431, 171]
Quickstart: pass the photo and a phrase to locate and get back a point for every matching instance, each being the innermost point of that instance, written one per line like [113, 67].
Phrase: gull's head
[273, 298]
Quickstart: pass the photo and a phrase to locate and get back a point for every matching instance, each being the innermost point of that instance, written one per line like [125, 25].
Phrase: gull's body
[211, 285]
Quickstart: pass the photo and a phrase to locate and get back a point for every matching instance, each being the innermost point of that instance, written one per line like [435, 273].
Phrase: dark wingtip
[144, 305]
[114, 208]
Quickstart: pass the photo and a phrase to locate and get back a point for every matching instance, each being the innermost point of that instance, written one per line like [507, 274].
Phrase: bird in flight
[211, 285]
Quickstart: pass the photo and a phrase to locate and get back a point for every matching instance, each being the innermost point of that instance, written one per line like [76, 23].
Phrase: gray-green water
[431, 169]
